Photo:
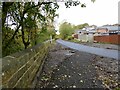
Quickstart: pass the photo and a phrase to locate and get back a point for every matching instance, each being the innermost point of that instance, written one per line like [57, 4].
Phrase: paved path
[93, 50]
[76, 72]
[69, 71]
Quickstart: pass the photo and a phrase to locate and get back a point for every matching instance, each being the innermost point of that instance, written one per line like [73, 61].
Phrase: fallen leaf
[65, 75]
[74, 86]
[81, 81]
[79, 74]
[56, 86]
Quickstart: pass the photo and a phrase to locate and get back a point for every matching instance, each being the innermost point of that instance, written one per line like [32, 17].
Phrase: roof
[111, 27]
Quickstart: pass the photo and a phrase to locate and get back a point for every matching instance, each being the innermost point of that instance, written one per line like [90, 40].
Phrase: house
[108, 30]
[108, 34]
[86, 34]
[102, 30]
[89, 28]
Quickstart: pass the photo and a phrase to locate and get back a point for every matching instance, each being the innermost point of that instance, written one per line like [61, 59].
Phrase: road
[93, 50]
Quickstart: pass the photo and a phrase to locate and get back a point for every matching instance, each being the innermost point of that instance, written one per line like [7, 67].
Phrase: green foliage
[70, 38]
[66, 30]
[32, 25]
[117, 88]
[70, 3]
[81, 26]
[57, 37]
[93, 1]
[14, 46]
[75, 40]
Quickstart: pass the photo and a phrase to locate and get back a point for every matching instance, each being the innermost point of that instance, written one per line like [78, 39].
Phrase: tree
[70, 3]
[81, 26]
[27, 17]
[32, 20]
[66, 30]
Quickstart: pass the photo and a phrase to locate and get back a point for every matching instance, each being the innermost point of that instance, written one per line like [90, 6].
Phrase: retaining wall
[19, 69]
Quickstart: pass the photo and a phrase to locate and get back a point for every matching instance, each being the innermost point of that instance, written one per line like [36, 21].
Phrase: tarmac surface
[69, 68]
[93, 50]
[75, 72]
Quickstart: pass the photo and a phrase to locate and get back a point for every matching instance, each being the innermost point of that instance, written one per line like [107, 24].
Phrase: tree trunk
[5, 8]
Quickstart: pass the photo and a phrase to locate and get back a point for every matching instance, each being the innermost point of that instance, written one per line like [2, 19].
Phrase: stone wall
[19, 69]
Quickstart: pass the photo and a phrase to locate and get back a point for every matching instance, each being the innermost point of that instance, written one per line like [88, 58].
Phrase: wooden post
[50, 38]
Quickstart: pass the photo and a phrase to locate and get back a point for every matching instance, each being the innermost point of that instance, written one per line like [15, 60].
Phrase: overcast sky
[99, 13]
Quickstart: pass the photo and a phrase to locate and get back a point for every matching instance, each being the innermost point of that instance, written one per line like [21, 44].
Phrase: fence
[19, 69]
[114, 39]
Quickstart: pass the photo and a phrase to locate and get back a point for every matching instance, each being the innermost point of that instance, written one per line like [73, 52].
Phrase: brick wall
[19, 69]
[114, 39]
[75, 36]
